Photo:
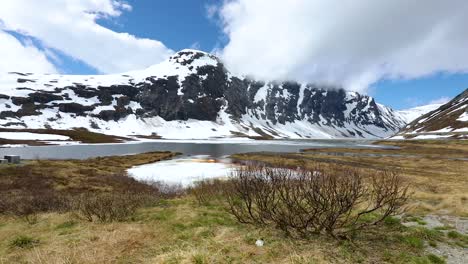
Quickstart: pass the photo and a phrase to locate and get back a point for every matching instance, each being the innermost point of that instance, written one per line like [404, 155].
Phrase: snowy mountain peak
[189, 56]
[191, 95]
[181, 64]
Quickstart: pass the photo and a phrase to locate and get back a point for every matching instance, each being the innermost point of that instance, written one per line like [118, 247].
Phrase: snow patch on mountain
[31, 136]
[411, 114]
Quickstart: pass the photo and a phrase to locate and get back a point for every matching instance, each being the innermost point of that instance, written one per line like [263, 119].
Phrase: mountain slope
[411, 114]
[449, 120]
[191, 95]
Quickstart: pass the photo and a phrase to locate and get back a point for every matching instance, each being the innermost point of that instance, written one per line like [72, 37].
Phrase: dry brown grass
[97, 189]
[181, 230]
[427, 148]
[438, 182]
[184, 232]
[75, 176]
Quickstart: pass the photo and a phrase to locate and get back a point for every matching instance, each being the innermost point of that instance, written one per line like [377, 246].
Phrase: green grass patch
[411, 259]
[443, 228]
[454, 234]
[67, 225]
[413, 241]
[433, 244]
[427, 234]
[435, 259]
[392, 221]
[416, 219]
[458, 238]
[199, 259]
[24, 242]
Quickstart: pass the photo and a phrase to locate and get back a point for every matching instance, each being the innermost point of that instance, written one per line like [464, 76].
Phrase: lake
[200, 159]
[214, 148]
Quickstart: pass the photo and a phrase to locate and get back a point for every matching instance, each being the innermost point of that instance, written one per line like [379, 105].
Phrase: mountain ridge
[191, 95]
[450, 120]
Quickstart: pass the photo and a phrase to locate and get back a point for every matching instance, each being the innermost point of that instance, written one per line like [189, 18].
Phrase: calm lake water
[212, 148]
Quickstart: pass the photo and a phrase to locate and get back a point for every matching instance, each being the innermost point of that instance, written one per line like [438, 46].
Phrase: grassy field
[183, 231]
[439, 180]
[74, 176]
[179, 229]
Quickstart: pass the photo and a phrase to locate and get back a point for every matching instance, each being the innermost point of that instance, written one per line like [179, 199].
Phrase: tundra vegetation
[307, 208]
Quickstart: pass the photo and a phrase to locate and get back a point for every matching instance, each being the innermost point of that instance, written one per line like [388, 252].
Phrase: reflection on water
[213, 148]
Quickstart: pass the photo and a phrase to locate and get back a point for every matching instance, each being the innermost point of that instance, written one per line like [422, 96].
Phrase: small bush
[104, 207]
[24, 242]
[206, 191]
[109, 207]
[166, 191]
[334, 201]
[28, 205]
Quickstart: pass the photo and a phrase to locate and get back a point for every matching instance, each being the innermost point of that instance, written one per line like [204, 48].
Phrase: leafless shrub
[334, 201]
[28, 205]
[165, 190]
[208, 190]
[120, 201]
[109, 207]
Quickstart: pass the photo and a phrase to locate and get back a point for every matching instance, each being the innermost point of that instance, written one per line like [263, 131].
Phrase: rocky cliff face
[192, 95]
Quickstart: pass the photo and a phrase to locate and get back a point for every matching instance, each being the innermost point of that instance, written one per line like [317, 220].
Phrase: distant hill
[408, 115]
[448, 121]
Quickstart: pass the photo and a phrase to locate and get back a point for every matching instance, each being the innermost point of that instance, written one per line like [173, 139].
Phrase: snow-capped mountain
[191, 95]
[447, 121]
[411, 114]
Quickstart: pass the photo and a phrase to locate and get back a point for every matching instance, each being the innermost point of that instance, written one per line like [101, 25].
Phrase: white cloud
[211, 10]
[19, 57]
[349, 42]
[70, 26]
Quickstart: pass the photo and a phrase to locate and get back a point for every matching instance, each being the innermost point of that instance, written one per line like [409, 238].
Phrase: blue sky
[403, 94]
[180, 24]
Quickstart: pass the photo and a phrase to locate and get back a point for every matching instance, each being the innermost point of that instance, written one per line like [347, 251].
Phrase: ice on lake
[182, 171]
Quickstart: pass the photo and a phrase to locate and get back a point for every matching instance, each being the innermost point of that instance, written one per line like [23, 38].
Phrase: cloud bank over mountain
[347, 42]
[17, 56]
[350, 43]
